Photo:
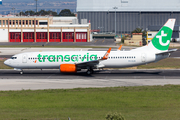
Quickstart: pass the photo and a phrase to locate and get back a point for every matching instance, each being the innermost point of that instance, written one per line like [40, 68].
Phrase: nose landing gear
[20, 70]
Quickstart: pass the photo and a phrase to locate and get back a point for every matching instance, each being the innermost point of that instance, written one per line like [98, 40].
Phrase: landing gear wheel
[21, 72]
[90, 71]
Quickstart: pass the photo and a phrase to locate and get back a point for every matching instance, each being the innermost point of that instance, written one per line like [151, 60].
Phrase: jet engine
[68, 68]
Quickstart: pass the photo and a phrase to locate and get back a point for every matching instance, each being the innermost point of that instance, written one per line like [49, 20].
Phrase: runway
[53, 79]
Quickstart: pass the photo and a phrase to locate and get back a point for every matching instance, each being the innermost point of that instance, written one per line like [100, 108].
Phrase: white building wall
[28, 30]
[81, 30]
[68, 30]
[54, 30]
[41, 30]
[14, 30]
[3, 35]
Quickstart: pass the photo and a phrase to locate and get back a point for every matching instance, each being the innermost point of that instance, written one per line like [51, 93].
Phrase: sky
[7, 6]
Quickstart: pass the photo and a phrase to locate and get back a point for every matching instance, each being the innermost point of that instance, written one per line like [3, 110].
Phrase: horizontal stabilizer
[169, 51]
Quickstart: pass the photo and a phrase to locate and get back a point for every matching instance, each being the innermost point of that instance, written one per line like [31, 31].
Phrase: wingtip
[120, 47]
[105, 57]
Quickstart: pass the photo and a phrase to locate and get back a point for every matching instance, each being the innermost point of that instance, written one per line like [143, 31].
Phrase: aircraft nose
[6, 62]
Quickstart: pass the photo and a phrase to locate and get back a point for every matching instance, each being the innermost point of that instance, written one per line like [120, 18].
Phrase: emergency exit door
[24, 58]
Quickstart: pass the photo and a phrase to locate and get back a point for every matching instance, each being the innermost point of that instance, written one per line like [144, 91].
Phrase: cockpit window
[13, 57]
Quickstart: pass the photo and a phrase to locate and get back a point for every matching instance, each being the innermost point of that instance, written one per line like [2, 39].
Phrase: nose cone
[6, 62]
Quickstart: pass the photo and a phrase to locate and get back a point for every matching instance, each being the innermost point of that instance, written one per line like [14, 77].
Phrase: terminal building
[129, 14]
[44, 29]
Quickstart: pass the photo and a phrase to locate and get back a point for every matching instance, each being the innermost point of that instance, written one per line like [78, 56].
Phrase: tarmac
[53, 79]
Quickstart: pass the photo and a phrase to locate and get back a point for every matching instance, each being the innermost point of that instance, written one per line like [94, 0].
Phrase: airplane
[74, 61]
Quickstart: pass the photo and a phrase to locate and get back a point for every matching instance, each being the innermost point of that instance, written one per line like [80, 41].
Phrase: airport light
[115, 18]
[36, 5]
[13, 10]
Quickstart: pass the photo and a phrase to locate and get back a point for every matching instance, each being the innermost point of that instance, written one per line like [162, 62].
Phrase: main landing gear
[90, 71]
[21, 72]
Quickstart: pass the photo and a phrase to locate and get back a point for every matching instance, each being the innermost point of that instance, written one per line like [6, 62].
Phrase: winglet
[119, 48]
[105, 57]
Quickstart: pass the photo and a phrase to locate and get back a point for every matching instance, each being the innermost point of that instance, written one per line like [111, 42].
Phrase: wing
[84, 65]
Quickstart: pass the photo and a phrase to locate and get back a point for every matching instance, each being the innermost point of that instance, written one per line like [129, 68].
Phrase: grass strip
[135, 103]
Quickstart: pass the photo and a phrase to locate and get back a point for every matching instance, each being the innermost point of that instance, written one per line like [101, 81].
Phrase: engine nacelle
[68, 68]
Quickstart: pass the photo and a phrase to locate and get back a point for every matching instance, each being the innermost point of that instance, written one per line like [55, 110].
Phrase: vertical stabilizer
[161, 40]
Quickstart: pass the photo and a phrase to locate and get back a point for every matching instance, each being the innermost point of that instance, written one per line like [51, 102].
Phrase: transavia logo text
[66, 58]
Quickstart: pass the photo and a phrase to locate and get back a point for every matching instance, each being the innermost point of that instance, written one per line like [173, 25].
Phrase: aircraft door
[143, 57]
[24, 58]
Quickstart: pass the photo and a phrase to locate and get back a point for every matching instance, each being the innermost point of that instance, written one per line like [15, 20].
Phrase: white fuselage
[53, 60]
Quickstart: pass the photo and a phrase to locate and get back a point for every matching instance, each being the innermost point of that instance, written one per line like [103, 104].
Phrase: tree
[29, 13]
[66, 12]
[114, 116]
[42, 12]
[21, 13]
[139, 30]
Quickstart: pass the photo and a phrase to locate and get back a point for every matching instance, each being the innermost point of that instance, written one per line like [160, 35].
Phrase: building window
[19, 22]
[43, 23]
[68, 35]
[149, 34]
